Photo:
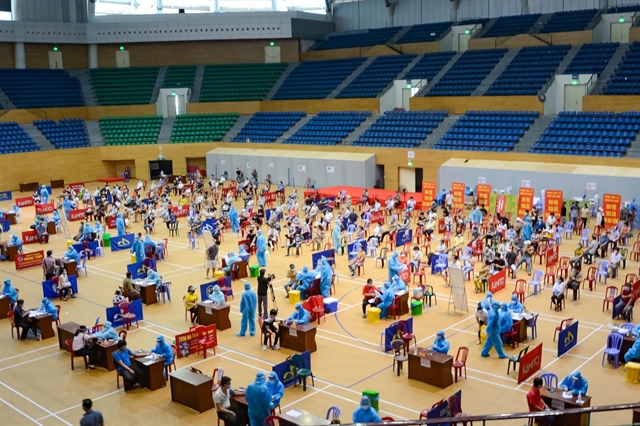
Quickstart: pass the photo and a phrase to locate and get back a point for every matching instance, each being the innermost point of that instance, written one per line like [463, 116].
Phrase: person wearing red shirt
[368, 293]
[535, 402]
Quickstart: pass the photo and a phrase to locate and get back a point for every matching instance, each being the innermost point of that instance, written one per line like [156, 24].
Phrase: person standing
[212, 257]
[258, 400]
[248, 310]
[91, 417]
[49, 265]
[263, 288]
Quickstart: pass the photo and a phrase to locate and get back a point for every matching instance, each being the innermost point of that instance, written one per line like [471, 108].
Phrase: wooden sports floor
[37, 385]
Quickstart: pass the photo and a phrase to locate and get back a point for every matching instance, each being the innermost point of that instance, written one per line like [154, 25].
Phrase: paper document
[293, 413]
[207, 301]
[567, 395]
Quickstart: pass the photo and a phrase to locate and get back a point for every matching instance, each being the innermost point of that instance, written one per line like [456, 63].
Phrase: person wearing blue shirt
[366, 413]
[441, 344]
[493, 333]
[395, 266]
[575, 383]
[15, 241]
[107, 332]
[326, 276]
[505, 319]
[163, 349]
[248, 304]
[44, 194]
[276, 388]
[216, 295]
[515, 306]
[131, 374]
[72, 254]
[137, 249]
[305, 277]
[476, 216]
[261, 246]
[119, 224]
[258, 399]
[300, 315]
[234, 219]
[49, 308]
[9, 291]
[386, 298]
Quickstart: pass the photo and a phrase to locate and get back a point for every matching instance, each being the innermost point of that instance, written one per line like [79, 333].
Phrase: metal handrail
[635, 18]
[540, 37]
[511, 416]
[591, 83]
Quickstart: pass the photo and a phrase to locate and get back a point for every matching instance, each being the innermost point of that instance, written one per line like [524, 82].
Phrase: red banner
[44, 208]
[458, 189]
[24, 202]
[76, 186]
[552, 255]
[111, 222]
[530, 363]
[376, 217]
[611, 205]
[189, 343]
[29, 260]
[501, 203]
[428, 193]
[483, 193]
[525, 201]
[77, 214]
[441, 226]
[553, 202]
[269, 197]
[498, 281]
[30, 237]
[180, 212]
[189, 187]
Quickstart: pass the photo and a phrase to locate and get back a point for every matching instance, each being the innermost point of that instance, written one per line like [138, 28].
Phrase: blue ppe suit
[336, 235]
[386, 299]
[49, 308]
[258, 399]
[234, 220]
[527, 229]
[326, 275]
[153, 276]
[441, 344]
[305, 277]
[136, 248]
[243, 254]
[261, 245]
[216, 295]
[164, 349]
[476, 216]
[72, 254]
[119, 225]
[493, 333]
[635, 331]
[9, 291]
[276, 388]
[67, 206]
[148, 242]
[15, 241]
[515, 306]
[248, 304]
[505, 319]
[395, 266]
[108, 332]
[301, 315]
[575, 383]
[233, 258]
[44, 195]
[366, 413]
[397, 284]
[488, 301]
[634, 352]
[56, 217]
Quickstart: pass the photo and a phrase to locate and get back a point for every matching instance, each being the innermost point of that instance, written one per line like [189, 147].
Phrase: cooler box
[254, 271]
[69, 243]
[218, 274]
[107, 240]
[374, 397]
[633, 372]
[373, 315]
[330, 304]
[416, 308]
[417, 293]
[294, 296]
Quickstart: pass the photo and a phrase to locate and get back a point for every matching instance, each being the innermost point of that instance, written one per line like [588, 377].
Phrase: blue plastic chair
[603, 270]
[536, 279]
[614, 344]
[584, 240]
[628, 326]
[333, 413]
[549, 379]
[533, 325]
[568, 230]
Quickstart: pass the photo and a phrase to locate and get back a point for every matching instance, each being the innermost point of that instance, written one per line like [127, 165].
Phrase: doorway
[463, 42]
[620, 32]
[573, 97]
[176, 105]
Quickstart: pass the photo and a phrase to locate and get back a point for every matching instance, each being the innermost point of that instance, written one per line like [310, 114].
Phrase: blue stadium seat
[574, 20]
[425, 32]
[371, 37]
[328, 128]
[401, 129]
[467, 73]
[14, 138]
[626, 78]
[41, 88]
[372, 80]
[68, 133]
[266, 127]
[512, 25]
[429, 65]
[592, 58]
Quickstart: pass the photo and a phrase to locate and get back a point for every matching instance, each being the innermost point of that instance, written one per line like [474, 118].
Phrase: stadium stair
[14, 139]
[439, 131]
[164, 136]
[464, 77]
[162, 72]
[372, 81]
[239, 82]
[610, 69]
[328, 128]
[266, 127]
[280, 80]
[568, 58]
[64, 134]
[353, 136]
[241, 121]
[395, 39]
[5, 101]
[286, 135]
[197, 84]
[626, 79]
[350, 78]
[495, 72]
[406, 69]
[401, 129]
[528, 140]
[179, 76]
[507, 26]
[486, 27]
[85, 85]
[38, 137]
[94, 132]
[439, 75]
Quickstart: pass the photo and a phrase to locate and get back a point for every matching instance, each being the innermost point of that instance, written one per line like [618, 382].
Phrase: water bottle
[38, 334]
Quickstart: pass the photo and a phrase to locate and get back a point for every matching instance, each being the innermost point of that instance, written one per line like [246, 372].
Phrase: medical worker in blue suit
[527, 229]
[326, 275]
[440, 344]
[56, 217]
[9, 291]
[493, 333]
[49, 308]
[575, 383]
[505, 318]
[276, 388]
[243, 254]
[395, 266]
[154, 277]
[233, 258]
[87, 231]
[258, 399]
[261, 246]
[636, 331]
[107, 332]
[72, 254]
[15, 241]
[366, 413]
[44, 195]
[300, 315]
[248, 304]
[234, 220]
[148, 242]
[476, 216]
[119, 224]
[336, 235]
[386, 298]
[136, 248]
[67, 206]
[217, 296]
[633, 353]
[305, 277]
[397, 284]
[515, 306]
[487, 303]
[163, 349]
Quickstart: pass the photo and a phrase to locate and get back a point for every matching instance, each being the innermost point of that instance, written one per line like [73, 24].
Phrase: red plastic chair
[519, 288]
[564, 324]
[460, 362]
[10, 315]
[550, 272]
[272, 421]
[207, 340]
[419, 273]
[610, 293]
[477, 248]
[541, 253]
[423, 413]
[394, 308]
[171, 367]
[563, 267]
[127, 314]
[406, 335]
[317, 303]
[591, 278]
[73, 355]
[387, 419]
[511, 335]
[391, 242]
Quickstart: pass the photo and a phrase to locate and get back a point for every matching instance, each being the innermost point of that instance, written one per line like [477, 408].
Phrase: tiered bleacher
[123, 86]
[382, 71]
[371, 37]
[425, 32]
[14, 138]
[266, 127]
[201, 127]
[429, 65]
[401, 129]
[624, 9]
[328, 128]
[601, 134]
[626, 79]
[496, 131]
[36, 88]
[179, 76]
[529, 70]
[239, 82]
[67, 133]
[131, 130]
[512, 25]
[574, 20]
[592, 58]
[316, 79]
[467, 73]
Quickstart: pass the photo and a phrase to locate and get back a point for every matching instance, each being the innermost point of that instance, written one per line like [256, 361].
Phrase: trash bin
[416, 308]
[483, 334]
[218, 274]
[254, 271]
[374, 397]
[69, 243]
[633, 372]
[373, 315]
[107, 240]
[294, 296]
[133, 258]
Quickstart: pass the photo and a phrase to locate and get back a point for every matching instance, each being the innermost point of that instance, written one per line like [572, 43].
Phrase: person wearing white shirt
[221, 399]
[614, 262]
[558, 293]
[551, 220]
[481, 318]
[416, 258]
[82, 345]
[449, 200]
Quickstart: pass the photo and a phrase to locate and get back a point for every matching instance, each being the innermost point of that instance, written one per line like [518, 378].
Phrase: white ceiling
[143, 7]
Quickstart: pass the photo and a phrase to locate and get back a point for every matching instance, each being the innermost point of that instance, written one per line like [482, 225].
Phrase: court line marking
[29, 352]
[36, 421]
[34, 403]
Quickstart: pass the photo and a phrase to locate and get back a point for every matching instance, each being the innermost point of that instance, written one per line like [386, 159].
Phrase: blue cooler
[330, 304]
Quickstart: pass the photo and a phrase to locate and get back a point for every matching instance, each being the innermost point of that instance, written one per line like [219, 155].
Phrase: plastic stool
[416, 308]
[106, 238]
[218, 274]
[69, 243]
[294, 296]
[254, 271]
[99, 251]
[373, 396]
[373, 315]
[633, 372]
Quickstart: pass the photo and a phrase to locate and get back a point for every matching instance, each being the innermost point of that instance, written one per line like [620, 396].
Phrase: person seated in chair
[64, 285]
[15, 241]
[558, 293]
[43, 235]
[614, 263]
[107, 332]
[536, 403]
[358, 260]
[441, 344]
[131, 374]
[300, 315]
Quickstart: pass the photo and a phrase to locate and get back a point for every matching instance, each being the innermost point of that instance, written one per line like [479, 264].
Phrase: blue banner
[4, 225]
[567, 338]
[137, 271]
[50, 291]
[49, 190]
[209, 225]
[109, 199]
[329, 254]
[403, 237]
[207, 288]
[114, 315]
[6, 195]
[93, 245]
[122, 243]
[286, 371]
[351, 248]
[443, 409]
[391, 333]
